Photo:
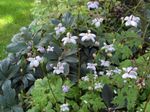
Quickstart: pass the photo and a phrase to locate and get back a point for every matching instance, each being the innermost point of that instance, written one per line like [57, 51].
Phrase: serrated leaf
[126, 63]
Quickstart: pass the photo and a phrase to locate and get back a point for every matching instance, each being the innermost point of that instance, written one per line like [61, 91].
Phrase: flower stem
[147, 102]
[79, 63]
[51, 90]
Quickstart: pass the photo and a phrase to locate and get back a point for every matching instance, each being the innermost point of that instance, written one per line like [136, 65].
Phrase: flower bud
[94, 55]
[29, 54]
[97, 44]
[109, 54]
[90, 88]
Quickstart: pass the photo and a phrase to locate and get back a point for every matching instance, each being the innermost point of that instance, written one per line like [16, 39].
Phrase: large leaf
[68, 19]
[70, 59]
[7, 100]
[16, 47]
[7, 70]
[107, 95]
[9, 93]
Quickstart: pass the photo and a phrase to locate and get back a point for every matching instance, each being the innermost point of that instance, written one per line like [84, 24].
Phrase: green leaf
[126, 63]
[120, 99]
[16, 47]
[70, 59]
[17, 109]
[7, 70]
[93, 101]
[55, 21]
[68, 19]
[9, 93]
[126, 52]
[30, 77]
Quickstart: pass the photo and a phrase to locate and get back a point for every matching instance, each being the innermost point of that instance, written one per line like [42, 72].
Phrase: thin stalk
[51, 90]
[147, 102]
[79, 63]
[137, 5]
[146, 28]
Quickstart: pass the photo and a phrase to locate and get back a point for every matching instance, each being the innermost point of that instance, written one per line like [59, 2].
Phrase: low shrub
[89, 56]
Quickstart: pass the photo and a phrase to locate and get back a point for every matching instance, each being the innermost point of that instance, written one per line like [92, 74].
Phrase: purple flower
[65, 88]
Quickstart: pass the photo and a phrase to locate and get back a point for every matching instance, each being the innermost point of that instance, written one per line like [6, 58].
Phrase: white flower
[64, 107]
[93, 5]
[108, 48]
[101, 73]
[105, 63]
[97, 22]
[39, 58]
[59, 68]
[34, 62]
[117, 70]
[41, 49]
[115, 91]
[131, 20]
[109, 73]
[95, 76]
[60, 29]
[98, 86]
[91, 66]
[50, 49]
[69, 39]
[130, 72]
[85, 78]
[88, 36]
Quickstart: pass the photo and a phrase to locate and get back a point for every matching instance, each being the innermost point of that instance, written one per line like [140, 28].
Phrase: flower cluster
[34, 62]
[105, 63]
[91, 66]
[60, 29]
[98, 86]
[85, 78]
[59, 68]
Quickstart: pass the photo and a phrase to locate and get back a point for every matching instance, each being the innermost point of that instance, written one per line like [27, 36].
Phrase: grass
[13, 15]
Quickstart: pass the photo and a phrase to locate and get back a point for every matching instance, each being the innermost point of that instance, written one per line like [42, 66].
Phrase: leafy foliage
[8, 100]
[78, 64]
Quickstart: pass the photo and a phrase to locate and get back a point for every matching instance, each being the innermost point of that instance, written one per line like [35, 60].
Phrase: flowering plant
[79, 62]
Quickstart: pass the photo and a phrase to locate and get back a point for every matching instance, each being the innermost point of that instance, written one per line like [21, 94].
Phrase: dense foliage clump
[80, 56]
